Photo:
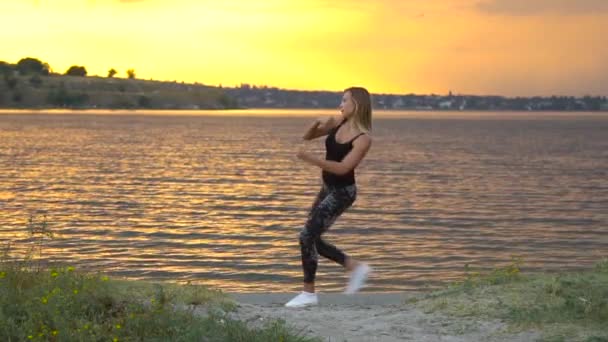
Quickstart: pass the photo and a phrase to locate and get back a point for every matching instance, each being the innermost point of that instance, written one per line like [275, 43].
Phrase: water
[219, 198]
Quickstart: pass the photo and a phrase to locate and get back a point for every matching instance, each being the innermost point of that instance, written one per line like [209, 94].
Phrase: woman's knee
[315, 224]
[306, 238]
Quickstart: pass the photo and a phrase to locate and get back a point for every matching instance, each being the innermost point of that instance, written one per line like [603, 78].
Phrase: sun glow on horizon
[388, 46]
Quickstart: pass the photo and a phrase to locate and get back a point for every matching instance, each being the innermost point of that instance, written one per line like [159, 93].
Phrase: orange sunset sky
[503, 47]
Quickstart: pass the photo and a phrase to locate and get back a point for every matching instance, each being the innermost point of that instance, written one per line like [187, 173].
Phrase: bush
[60, 97]
[11, 82]
[35, 81]
[30, 65]
[75, 70]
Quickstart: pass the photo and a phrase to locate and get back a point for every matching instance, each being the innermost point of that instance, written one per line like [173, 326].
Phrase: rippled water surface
[219, 199]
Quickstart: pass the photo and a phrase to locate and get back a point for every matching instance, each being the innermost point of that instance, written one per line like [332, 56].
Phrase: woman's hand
[303, 154]
[319, 127]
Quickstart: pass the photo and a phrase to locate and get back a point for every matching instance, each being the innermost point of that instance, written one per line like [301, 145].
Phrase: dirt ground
[382, 317]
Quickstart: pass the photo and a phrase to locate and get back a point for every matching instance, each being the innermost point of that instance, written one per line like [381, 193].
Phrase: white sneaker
[302, 300]
[357, 278]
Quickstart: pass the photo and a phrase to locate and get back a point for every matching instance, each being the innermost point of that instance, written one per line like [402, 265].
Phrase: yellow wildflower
[104, 278]
[70, 268]
[55, 332]
[54, 274]
[75, 291]
[117, 326]
[44, 300]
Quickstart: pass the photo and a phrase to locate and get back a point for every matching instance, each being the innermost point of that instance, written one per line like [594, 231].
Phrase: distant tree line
[250, 96]
[32, 66]
[35, 69]
[32, 83]
[31, 72]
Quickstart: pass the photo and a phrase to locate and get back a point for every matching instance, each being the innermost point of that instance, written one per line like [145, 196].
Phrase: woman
[346, 145]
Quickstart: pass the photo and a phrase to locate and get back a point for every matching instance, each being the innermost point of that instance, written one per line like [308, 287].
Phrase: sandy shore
[370, 317]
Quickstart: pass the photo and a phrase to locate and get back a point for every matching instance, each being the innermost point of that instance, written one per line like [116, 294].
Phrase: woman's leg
[330, 204]
[307, 254]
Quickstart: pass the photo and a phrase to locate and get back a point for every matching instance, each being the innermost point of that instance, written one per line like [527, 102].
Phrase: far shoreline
[283, 111]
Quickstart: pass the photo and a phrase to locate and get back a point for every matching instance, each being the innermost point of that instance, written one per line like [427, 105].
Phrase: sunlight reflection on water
[219, 198]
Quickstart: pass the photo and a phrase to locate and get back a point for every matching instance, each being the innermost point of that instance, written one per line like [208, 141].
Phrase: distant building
[398, 103]
[445, 104]
[463, 105]
[581, 104]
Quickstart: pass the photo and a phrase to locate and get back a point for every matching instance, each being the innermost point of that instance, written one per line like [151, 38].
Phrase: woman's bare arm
[360, 148]
[321, 127]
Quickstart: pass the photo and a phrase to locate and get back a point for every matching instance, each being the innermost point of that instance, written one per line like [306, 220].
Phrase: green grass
[42, 302]
[564, 306]
[60, 91]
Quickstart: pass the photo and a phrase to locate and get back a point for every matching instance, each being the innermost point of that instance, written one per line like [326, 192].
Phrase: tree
[75, 70]
[6, 68]
[11, 82]
[144, 102]
[131, 73]
[17, 97]
[60, 97]
[112, 72]
[227, 102]
[36, 81]
[32, 66]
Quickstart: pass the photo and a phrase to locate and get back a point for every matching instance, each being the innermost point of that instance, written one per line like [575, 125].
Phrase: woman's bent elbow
[342, 171]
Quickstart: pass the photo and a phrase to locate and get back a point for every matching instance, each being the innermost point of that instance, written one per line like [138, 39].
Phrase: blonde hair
[363, 108]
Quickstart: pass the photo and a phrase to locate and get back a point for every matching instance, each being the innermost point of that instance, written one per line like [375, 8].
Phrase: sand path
[382, 317]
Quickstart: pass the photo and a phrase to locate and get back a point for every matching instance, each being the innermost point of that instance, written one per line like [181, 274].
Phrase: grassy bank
[46, 302]
[564, 306]
[40, 301]
[60, 91]
[62, 304]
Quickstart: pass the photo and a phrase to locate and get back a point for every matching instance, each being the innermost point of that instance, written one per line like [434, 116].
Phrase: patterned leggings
[330, 203]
